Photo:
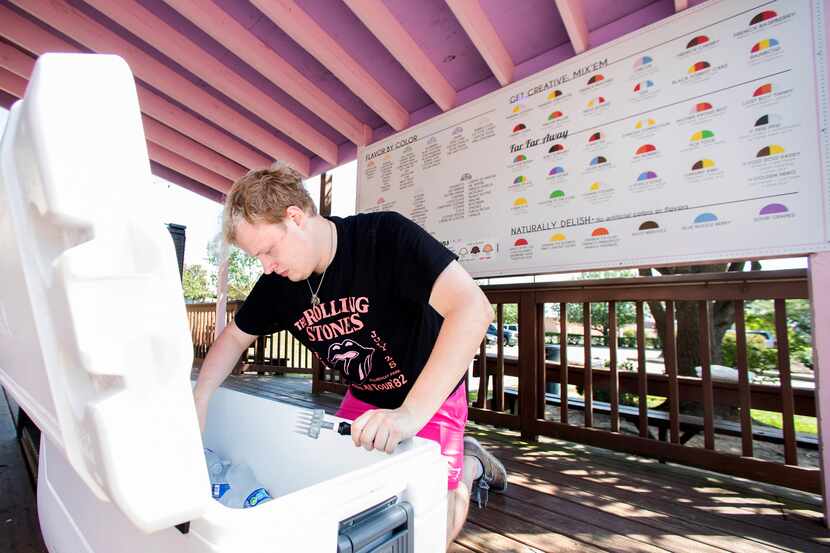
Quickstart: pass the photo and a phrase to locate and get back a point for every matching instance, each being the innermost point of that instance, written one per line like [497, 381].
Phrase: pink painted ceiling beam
[16, 86]
[297, 24]
[190, 149]
[225, 30]
[173, 116]
[11, 83]
[19, 63]
[482, 33]
[186, 167]
[388, 30]
[574, 19]
[65, 18]
[36, 39]
[157, 33]
[680, 5]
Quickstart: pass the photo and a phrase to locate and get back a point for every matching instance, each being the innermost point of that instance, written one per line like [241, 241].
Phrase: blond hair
[262, 196]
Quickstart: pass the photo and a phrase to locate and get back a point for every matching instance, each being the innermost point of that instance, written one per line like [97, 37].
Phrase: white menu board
[697, 138]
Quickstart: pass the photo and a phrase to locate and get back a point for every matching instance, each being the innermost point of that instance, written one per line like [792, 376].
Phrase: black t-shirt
[374, 322]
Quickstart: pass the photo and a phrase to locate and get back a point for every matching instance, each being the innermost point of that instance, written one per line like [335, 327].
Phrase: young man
[375, 296]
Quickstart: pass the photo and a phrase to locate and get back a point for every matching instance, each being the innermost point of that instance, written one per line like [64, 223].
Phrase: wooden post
[222, 290]
[818, 275]
[528, 366]
[325, 210]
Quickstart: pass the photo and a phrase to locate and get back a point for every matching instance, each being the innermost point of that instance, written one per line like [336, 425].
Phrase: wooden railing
[277, 353]
[528, 416]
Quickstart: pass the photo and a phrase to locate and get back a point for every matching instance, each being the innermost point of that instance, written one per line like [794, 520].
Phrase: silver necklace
[315, 298]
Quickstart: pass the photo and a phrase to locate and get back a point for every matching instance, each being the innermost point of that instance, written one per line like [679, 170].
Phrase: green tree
[243, 270]
[195, 284]
[626, 314]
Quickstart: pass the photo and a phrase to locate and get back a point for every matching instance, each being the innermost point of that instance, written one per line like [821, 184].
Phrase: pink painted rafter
[157, 33]
[389, 31]
[481, 31]
[187, 167]
[183, 160]
[187, 148]
[574, 19]
[225, 30]
[297, 24]
[11, 83]
[63, 17]
[37, 40]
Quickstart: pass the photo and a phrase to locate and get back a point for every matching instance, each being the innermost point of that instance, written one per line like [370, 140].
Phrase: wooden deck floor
[561, 497]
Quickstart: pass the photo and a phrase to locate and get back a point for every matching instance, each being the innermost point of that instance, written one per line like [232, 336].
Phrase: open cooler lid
[94, 340]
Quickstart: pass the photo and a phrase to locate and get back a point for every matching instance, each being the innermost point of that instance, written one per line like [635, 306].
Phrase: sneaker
[494, 477]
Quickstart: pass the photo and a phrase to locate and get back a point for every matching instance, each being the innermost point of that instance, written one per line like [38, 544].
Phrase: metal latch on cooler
[386, 527]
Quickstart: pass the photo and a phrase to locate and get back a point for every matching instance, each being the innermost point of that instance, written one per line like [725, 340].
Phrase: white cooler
[95, 347]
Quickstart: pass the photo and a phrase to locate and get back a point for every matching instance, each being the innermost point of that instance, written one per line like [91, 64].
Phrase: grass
[803, 424]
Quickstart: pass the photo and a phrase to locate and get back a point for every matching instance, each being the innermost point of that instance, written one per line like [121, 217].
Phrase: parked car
[508, 337]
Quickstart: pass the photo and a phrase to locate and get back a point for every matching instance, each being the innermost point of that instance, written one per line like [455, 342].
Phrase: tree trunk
[688, 321]
[687, 318]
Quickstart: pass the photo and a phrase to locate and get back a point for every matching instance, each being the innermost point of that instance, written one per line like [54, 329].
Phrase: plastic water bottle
[217, 471]
[244, 491]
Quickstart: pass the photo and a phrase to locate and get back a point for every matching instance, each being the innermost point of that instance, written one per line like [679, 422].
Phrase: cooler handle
[387, 527]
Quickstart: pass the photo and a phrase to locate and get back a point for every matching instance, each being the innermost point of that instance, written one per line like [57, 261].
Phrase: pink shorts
[445, 427]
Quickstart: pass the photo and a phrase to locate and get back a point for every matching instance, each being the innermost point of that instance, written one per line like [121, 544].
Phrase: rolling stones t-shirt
[374, 322]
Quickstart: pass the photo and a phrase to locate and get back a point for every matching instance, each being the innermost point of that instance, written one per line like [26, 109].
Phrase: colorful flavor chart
[763, 16]
[702, 135]
[771, 150]
[703, 164]
[706, 218]
[771, 209]
[767, 119]
[762, 90]
[697, 41]
[643, 86]
[642, 62]
[763, 45]
[699, 66]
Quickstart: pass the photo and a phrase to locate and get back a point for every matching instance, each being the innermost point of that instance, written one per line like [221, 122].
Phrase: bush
[759, 357]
